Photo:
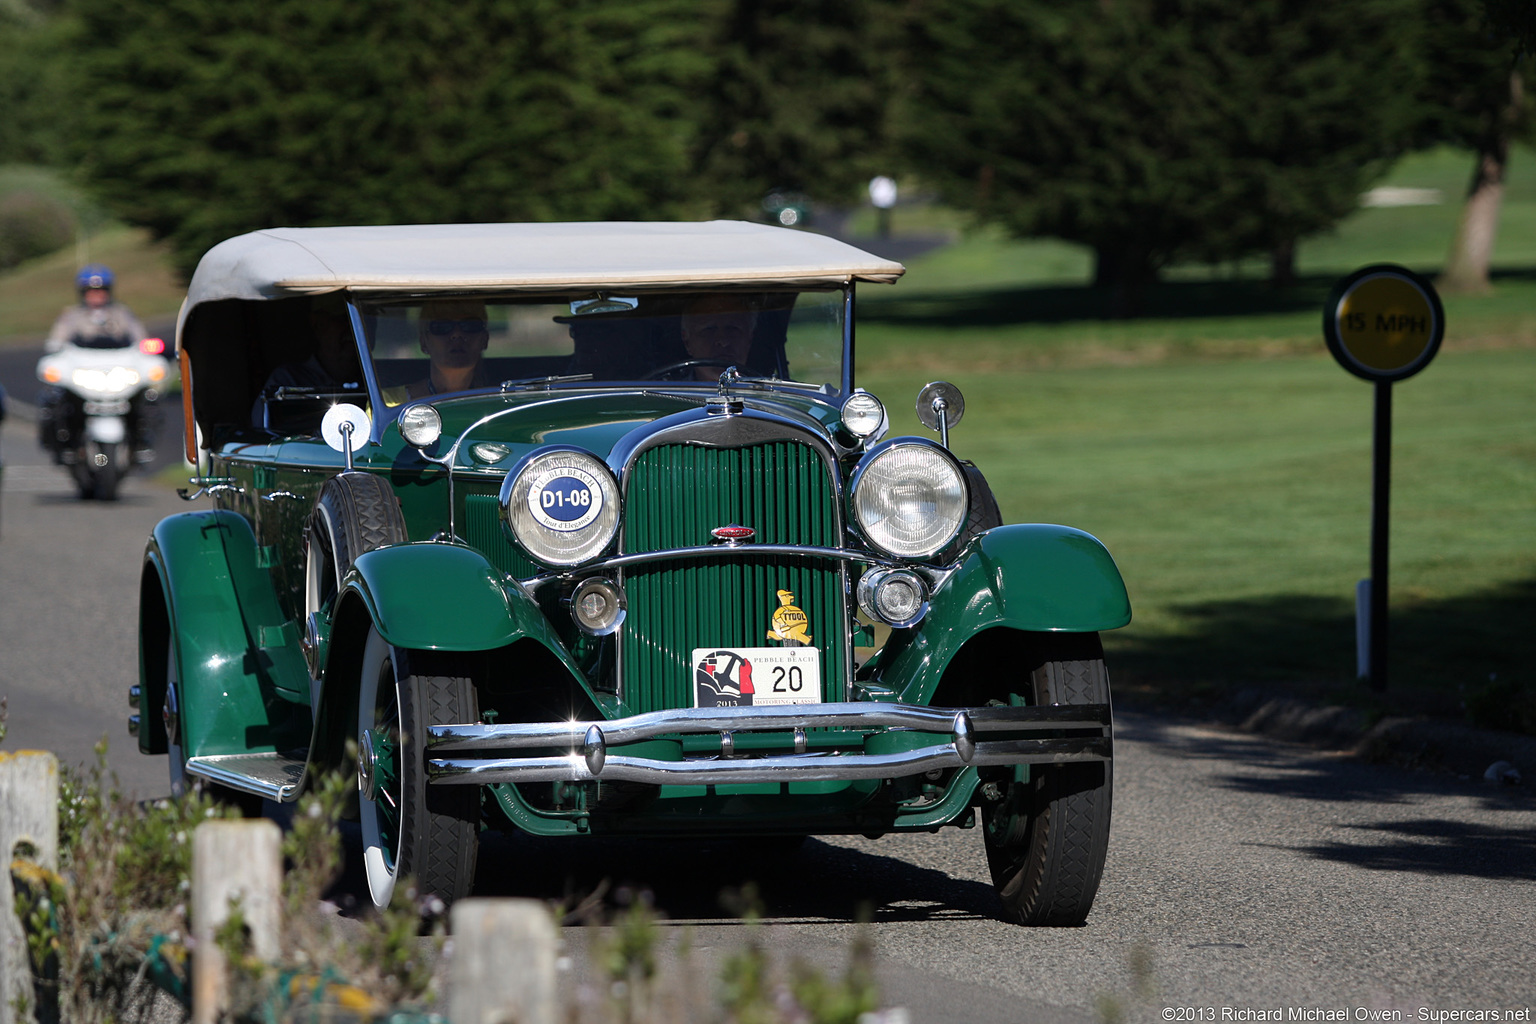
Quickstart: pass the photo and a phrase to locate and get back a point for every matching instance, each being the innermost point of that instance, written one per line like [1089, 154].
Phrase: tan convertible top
[282, 262]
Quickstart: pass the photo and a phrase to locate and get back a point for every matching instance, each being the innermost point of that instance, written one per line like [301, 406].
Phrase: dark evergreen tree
[1474, 98]
[200, 119]
[1157, 130]
[1515, 20]
[32, 87]
[796, 99]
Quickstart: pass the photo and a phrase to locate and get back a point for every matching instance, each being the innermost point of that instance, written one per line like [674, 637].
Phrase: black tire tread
[1064, 843]
[367, 514]
[440, 825]
[982, 513]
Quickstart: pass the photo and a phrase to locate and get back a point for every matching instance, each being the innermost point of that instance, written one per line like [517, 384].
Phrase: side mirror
[346, 428]
[940, 406]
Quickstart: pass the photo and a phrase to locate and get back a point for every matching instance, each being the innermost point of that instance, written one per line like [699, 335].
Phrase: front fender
[443, 597]
[1033, 577]
[235, 656]
[425, 596]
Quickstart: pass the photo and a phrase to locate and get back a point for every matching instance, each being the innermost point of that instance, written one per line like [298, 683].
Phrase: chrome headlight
[909, 497]
[119, 378]
[864, 416]
[897, 597]
[561, 505]
[421, 425]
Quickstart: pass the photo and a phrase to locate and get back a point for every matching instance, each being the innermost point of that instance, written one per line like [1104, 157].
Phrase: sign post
[1383, 323]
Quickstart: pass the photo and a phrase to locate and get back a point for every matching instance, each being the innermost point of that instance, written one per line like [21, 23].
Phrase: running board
[278, 777]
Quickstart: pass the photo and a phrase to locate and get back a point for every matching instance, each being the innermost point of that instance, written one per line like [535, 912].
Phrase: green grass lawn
[1225, 459]
[1235, 496]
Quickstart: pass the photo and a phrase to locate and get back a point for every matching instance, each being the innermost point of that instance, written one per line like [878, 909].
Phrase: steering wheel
[687, 364]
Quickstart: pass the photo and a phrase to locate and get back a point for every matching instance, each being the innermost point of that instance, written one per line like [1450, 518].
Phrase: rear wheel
[430, 833]
[1046, 837]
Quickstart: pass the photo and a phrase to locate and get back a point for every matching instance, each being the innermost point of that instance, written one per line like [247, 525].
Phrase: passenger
[621, 347]
[454, 334]
[333, 364]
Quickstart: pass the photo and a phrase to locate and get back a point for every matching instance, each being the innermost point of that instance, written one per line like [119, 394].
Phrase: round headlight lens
[597, 605]
[896, 597]
[863, 415]
[421, 425]
[560, 505]
[909, 498]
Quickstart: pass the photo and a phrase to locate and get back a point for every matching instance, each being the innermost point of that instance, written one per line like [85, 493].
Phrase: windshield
[440, 345]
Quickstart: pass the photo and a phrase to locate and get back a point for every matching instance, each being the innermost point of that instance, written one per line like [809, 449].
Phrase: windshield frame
[360, 306]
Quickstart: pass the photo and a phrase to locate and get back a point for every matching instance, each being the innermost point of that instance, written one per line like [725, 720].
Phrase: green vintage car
[586, 530]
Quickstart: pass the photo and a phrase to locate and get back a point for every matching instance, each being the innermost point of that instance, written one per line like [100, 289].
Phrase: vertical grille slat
[675, 494]
[482, 529]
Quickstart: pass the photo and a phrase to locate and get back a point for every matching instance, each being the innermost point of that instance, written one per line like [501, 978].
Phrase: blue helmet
[93, 275]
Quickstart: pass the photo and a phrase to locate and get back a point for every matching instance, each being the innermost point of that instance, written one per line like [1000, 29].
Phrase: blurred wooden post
[29, 812]
[503, 965]
[232, 859]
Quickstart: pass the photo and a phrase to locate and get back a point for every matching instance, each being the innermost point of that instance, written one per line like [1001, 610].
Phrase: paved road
[1249, 874]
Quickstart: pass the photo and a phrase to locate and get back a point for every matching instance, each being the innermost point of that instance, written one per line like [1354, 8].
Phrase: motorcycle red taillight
[152, 346]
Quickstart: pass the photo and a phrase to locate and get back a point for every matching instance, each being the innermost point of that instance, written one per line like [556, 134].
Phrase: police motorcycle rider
[79, 337]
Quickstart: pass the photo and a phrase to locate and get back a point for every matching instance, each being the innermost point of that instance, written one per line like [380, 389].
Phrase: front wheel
[109, 461]
[409, 828]
[1046, 837]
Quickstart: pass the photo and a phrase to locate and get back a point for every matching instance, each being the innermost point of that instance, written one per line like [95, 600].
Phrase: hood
[597, 421]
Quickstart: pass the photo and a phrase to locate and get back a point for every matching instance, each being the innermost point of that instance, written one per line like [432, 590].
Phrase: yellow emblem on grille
[790, 624]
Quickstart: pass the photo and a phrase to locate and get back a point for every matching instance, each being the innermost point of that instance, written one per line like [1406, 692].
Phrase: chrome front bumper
[480, 754]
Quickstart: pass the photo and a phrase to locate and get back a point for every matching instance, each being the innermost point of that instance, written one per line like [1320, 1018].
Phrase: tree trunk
[1466, 265]
[1282, 263]
[1124, 272]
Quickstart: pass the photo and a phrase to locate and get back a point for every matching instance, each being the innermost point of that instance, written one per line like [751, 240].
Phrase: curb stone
[1411, 742]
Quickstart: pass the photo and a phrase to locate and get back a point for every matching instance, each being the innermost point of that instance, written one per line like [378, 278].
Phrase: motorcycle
[98, 415]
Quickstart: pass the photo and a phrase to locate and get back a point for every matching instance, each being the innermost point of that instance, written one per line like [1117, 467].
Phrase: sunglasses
[443, 328]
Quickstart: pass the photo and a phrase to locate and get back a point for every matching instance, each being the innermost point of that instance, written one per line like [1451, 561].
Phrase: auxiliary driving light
[597, 605]
[421, 425]
[897, 597]
[864, 416]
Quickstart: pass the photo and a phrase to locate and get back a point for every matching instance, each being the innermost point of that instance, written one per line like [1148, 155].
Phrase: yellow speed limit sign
[1384, 323]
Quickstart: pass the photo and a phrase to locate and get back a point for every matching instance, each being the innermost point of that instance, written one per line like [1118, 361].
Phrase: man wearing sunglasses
[454, 333]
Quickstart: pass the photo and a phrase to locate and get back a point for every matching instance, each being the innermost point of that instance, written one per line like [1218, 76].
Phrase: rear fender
[1033, 578]
[217, 615]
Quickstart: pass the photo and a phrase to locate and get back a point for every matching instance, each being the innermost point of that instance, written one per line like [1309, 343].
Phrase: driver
[97, 321]
[717, 329]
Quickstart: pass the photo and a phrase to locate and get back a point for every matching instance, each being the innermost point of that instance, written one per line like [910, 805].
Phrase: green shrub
[1507, 704]
[32, 224]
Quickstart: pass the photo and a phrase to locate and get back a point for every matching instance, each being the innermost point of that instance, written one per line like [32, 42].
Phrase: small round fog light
[863, 415]
[897, 597]
[421, 425]
[597, 605]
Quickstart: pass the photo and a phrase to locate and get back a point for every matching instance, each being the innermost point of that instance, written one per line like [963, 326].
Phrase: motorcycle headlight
[909, 498]
[561, 505]
[118, 378]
